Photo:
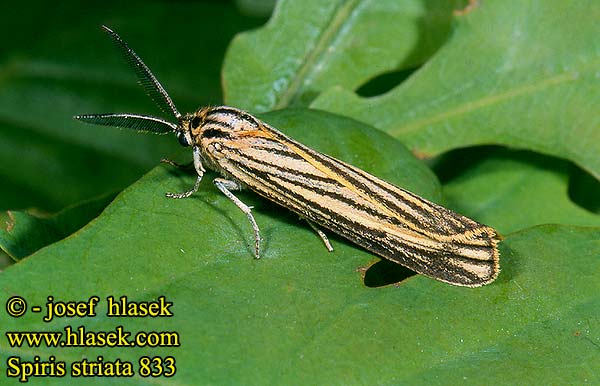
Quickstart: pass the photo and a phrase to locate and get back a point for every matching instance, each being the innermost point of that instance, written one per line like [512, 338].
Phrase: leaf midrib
[293, 92]
[489, 100]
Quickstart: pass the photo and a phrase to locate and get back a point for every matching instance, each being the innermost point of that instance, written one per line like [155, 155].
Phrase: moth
[385, 219]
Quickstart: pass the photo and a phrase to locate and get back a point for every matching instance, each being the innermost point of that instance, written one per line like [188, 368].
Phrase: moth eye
[182, 139]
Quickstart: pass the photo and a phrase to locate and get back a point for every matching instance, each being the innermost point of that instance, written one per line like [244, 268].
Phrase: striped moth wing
[386, 220]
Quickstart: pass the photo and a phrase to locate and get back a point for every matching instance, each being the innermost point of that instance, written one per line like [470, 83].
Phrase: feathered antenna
[154, 89]
[143, 123]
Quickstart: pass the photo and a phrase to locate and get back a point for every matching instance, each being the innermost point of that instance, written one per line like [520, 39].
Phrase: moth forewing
[375, 214]
[384, 219]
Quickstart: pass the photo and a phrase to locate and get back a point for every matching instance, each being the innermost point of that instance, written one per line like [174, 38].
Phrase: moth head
[184, 138]
[187, 124]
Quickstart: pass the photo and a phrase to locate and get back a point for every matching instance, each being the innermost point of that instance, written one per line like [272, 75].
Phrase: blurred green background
[56, 62]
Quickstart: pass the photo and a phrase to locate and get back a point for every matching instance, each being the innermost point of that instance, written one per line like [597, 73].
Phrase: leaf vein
[292, 93]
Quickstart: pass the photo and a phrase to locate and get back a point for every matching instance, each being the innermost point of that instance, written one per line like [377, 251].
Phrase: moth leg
[225, 186]
[199, 170]
[175, 164]
[322, 235]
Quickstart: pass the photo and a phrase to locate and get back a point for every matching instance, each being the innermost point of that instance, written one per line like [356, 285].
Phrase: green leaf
[305, 307]
[511, 190]
[311, 45]
[523, 74]
[56, 62]
[5, 260]
[26, 232]
[198, 252]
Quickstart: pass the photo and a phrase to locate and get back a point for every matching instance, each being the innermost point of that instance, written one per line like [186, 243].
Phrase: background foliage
[441, 78]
